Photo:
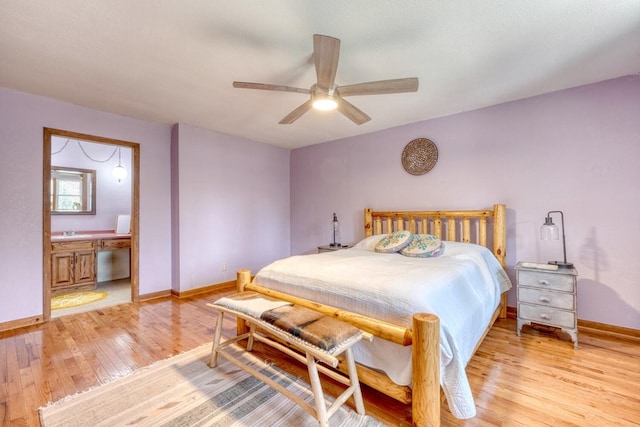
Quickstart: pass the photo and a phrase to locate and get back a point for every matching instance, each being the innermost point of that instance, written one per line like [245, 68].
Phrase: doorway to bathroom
[90, 222]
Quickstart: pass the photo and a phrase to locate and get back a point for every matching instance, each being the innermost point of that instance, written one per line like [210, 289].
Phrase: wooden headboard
[469, 226]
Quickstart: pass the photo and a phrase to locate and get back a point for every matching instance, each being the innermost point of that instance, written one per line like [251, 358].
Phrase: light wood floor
[119, 292]
[534, 380]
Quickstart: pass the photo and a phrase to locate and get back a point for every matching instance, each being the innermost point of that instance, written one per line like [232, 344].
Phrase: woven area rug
[184, 391]
[75, 299]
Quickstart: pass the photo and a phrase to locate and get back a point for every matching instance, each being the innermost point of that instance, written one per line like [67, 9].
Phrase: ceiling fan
[325, 94]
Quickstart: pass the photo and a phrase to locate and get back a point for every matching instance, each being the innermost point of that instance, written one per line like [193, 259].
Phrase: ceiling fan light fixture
[324, 100]
[325, 103]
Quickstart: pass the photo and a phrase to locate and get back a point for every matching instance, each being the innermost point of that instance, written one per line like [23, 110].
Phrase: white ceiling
[171, 61]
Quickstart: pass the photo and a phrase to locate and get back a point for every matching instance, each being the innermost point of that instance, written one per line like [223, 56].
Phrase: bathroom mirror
[73, 191]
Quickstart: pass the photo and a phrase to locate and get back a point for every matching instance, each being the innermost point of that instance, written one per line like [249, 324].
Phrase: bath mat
[75, 299]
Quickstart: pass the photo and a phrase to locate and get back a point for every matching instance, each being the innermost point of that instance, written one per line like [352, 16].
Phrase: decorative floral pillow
[394, 242]
[423, 246]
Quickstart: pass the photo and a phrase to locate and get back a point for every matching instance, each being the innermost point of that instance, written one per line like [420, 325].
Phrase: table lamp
[335, 225]
[549, 231]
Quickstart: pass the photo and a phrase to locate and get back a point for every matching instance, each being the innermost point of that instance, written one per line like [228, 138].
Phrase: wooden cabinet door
[85, 267]
[62, 269]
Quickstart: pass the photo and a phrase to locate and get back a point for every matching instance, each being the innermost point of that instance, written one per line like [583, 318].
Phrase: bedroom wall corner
[175, 208]
[233, 206]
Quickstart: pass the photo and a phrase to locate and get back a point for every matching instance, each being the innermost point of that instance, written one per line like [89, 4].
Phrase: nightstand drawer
[548, 298]
[547, 315]
[538, 279]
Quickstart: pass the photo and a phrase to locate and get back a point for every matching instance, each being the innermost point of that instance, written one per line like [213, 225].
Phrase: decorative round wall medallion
[419, 156]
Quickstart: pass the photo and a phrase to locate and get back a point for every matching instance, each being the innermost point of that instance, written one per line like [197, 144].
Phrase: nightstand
[548, 297]
[329, 248]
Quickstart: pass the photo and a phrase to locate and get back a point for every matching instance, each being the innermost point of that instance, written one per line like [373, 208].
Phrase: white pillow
[423, 246]
[369, 243]
[394, 242]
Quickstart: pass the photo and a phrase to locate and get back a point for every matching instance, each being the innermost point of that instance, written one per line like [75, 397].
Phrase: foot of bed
[503, 306]
[426, 370]
[243, 278]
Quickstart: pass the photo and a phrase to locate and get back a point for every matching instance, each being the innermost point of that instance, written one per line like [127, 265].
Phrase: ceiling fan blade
[266, 86]
[326, 51]
[352, 112]
[297, 113]
[380, 87]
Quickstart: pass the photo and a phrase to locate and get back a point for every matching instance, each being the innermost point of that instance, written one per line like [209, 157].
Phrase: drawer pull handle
[544, 299]
[545, 316]
[543, 282]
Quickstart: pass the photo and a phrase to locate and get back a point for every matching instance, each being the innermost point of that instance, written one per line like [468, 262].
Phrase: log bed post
[425, 402]
[368, 223]
[499, 233]
[243, 278]
[500, 246]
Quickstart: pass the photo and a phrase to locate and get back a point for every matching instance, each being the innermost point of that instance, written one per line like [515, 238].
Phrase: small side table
[329, 248]
[548, 297]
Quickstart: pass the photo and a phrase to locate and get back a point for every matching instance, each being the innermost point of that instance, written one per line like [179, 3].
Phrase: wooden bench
[282, 325]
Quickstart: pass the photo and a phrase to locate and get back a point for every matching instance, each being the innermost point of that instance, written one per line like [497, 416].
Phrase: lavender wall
[576, 150]
[233, 205]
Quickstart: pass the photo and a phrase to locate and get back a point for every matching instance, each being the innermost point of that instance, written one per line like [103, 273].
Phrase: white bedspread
[462, 286]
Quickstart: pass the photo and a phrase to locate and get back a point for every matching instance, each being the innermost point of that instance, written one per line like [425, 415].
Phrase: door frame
[48, 133]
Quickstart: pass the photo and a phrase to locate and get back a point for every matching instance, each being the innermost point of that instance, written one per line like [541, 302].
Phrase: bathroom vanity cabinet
[73, 265]
[74, 258]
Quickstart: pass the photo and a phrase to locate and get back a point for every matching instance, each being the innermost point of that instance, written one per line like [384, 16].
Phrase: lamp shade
[119, 172]
[549, 231]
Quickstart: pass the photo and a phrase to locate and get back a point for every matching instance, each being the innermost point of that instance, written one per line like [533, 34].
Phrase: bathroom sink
[72, 236]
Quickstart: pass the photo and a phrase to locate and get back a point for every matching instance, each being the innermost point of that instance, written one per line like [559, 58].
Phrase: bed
[426, 332]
